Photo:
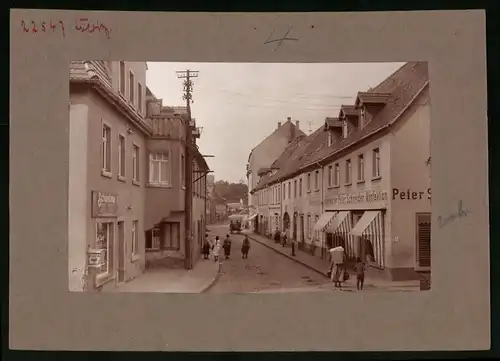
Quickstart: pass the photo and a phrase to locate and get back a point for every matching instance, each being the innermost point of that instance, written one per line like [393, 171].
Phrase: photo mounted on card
[252, 165]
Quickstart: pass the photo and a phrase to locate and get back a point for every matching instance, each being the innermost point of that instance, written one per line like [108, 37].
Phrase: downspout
[322, 207]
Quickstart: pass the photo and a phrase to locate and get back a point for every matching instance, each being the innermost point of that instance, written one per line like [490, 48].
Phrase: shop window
[153, 239]
[104, 241]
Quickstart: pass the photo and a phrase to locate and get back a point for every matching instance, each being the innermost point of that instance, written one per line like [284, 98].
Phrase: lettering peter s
[408, 194]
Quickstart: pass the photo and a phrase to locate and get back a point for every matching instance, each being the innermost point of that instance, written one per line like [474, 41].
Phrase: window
[171, 235]
[361, 168]
[159, 168]
[122, 77]
[337, 174]
[345, 129]
[135, 238]
[348, 171]
[309, 226]
[362, 117]
[106, 149]
[131, 87]
[308, 182]
[316, 180]
[330, 176]
[289, 190]
[376, 163]
[295, 189]
[121, 156]
[279, 193]
[300, 187]
[153, 238]
[135, 164]
[139, 97]
[104, 241]
[423, 239]
[330, 138]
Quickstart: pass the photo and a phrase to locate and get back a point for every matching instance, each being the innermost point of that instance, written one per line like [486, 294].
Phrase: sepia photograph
[249, 177]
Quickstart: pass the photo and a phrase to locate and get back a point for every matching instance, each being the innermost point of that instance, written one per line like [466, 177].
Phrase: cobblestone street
[264, 270]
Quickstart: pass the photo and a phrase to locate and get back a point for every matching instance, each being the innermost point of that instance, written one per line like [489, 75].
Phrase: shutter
[424, 240]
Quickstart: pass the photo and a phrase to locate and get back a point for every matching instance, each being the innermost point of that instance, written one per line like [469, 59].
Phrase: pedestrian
[206, 247]
[227, 247]
[336, 265]
[245, 247]
[216, 248]
[283, 239]
[277, 236]
[360, 269]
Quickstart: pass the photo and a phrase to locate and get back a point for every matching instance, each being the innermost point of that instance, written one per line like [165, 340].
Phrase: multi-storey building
[265, 153]
[122, 171]
[363, 179]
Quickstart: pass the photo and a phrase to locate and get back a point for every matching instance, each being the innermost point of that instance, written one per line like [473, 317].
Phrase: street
[263, 271]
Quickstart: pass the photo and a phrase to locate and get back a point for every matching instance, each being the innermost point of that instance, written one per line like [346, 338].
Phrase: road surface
[263, 271]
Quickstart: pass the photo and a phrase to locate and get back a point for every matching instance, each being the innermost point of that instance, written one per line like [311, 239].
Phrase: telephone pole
[188, 158]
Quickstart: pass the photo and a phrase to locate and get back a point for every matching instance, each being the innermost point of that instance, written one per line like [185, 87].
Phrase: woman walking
[216, 248]
[245, 247]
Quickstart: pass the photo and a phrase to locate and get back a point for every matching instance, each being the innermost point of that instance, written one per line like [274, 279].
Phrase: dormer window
[362, 117]
[330, 138]
[344, 128]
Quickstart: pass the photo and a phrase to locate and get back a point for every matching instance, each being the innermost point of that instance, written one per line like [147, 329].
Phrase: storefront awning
[364, 222]
[323, 220]
[252, 217]
[337, 221]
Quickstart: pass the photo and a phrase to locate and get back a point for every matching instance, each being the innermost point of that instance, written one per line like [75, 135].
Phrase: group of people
[216, 245]
[338, 271]
[280, 237]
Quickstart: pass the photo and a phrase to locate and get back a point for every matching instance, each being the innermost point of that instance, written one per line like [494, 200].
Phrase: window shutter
[424, 240]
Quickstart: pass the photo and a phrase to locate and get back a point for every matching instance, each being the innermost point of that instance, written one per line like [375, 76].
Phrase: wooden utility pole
[188, 158]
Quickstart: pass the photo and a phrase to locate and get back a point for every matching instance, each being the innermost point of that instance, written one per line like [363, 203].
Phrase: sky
[237, 105]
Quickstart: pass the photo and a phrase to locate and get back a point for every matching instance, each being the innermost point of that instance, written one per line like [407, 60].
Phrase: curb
[289, 257]
[214, 281]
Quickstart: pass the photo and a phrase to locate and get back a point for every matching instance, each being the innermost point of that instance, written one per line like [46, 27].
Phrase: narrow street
[263, 271]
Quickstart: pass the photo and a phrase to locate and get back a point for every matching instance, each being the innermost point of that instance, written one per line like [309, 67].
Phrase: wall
[410, 151]
[77, 196]
[139, 69]
[128, 193]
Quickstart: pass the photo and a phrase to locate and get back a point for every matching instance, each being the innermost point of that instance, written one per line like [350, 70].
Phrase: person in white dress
[216, 248]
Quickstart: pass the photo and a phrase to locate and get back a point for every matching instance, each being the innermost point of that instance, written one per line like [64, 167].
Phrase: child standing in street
[360, 268]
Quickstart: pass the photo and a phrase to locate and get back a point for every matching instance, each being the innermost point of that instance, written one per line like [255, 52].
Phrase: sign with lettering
[362, 197]
[410, 194]
[104, 204]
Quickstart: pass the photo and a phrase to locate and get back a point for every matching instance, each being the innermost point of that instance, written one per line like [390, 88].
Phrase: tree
[231, 192]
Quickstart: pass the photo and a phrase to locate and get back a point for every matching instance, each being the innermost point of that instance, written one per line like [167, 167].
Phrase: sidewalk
[198, 280]
[319, 265]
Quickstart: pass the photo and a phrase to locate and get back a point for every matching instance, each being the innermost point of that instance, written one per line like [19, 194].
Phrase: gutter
[101, 89]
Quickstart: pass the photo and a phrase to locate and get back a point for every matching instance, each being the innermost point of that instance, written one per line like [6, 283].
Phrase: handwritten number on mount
[82, 26]
[280, 40]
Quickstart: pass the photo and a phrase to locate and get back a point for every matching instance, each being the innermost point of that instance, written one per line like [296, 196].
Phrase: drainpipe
[322, 206]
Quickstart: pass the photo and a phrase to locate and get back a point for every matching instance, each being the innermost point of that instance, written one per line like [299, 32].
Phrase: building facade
[119, 167]
[265, 153]
[363, 181]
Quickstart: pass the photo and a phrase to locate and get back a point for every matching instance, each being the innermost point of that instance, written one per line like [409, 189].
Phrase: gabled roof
[333, 122]
[397, 93]
[97, 75]
[283, 130]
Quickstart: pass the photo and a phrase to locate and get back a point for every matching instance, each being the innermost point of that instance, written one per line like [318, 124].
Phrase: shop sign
[357, 198]
[410, 194]
[104, 204]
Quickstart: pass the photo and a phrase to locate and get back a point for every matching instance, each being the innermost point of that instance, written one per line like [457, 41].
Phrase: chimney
[289, 119]
[279, 125]
[297, 123]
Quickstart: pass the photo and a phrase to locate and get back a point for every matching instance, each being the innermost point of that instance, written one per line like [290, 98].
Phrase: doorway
[121, 252]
